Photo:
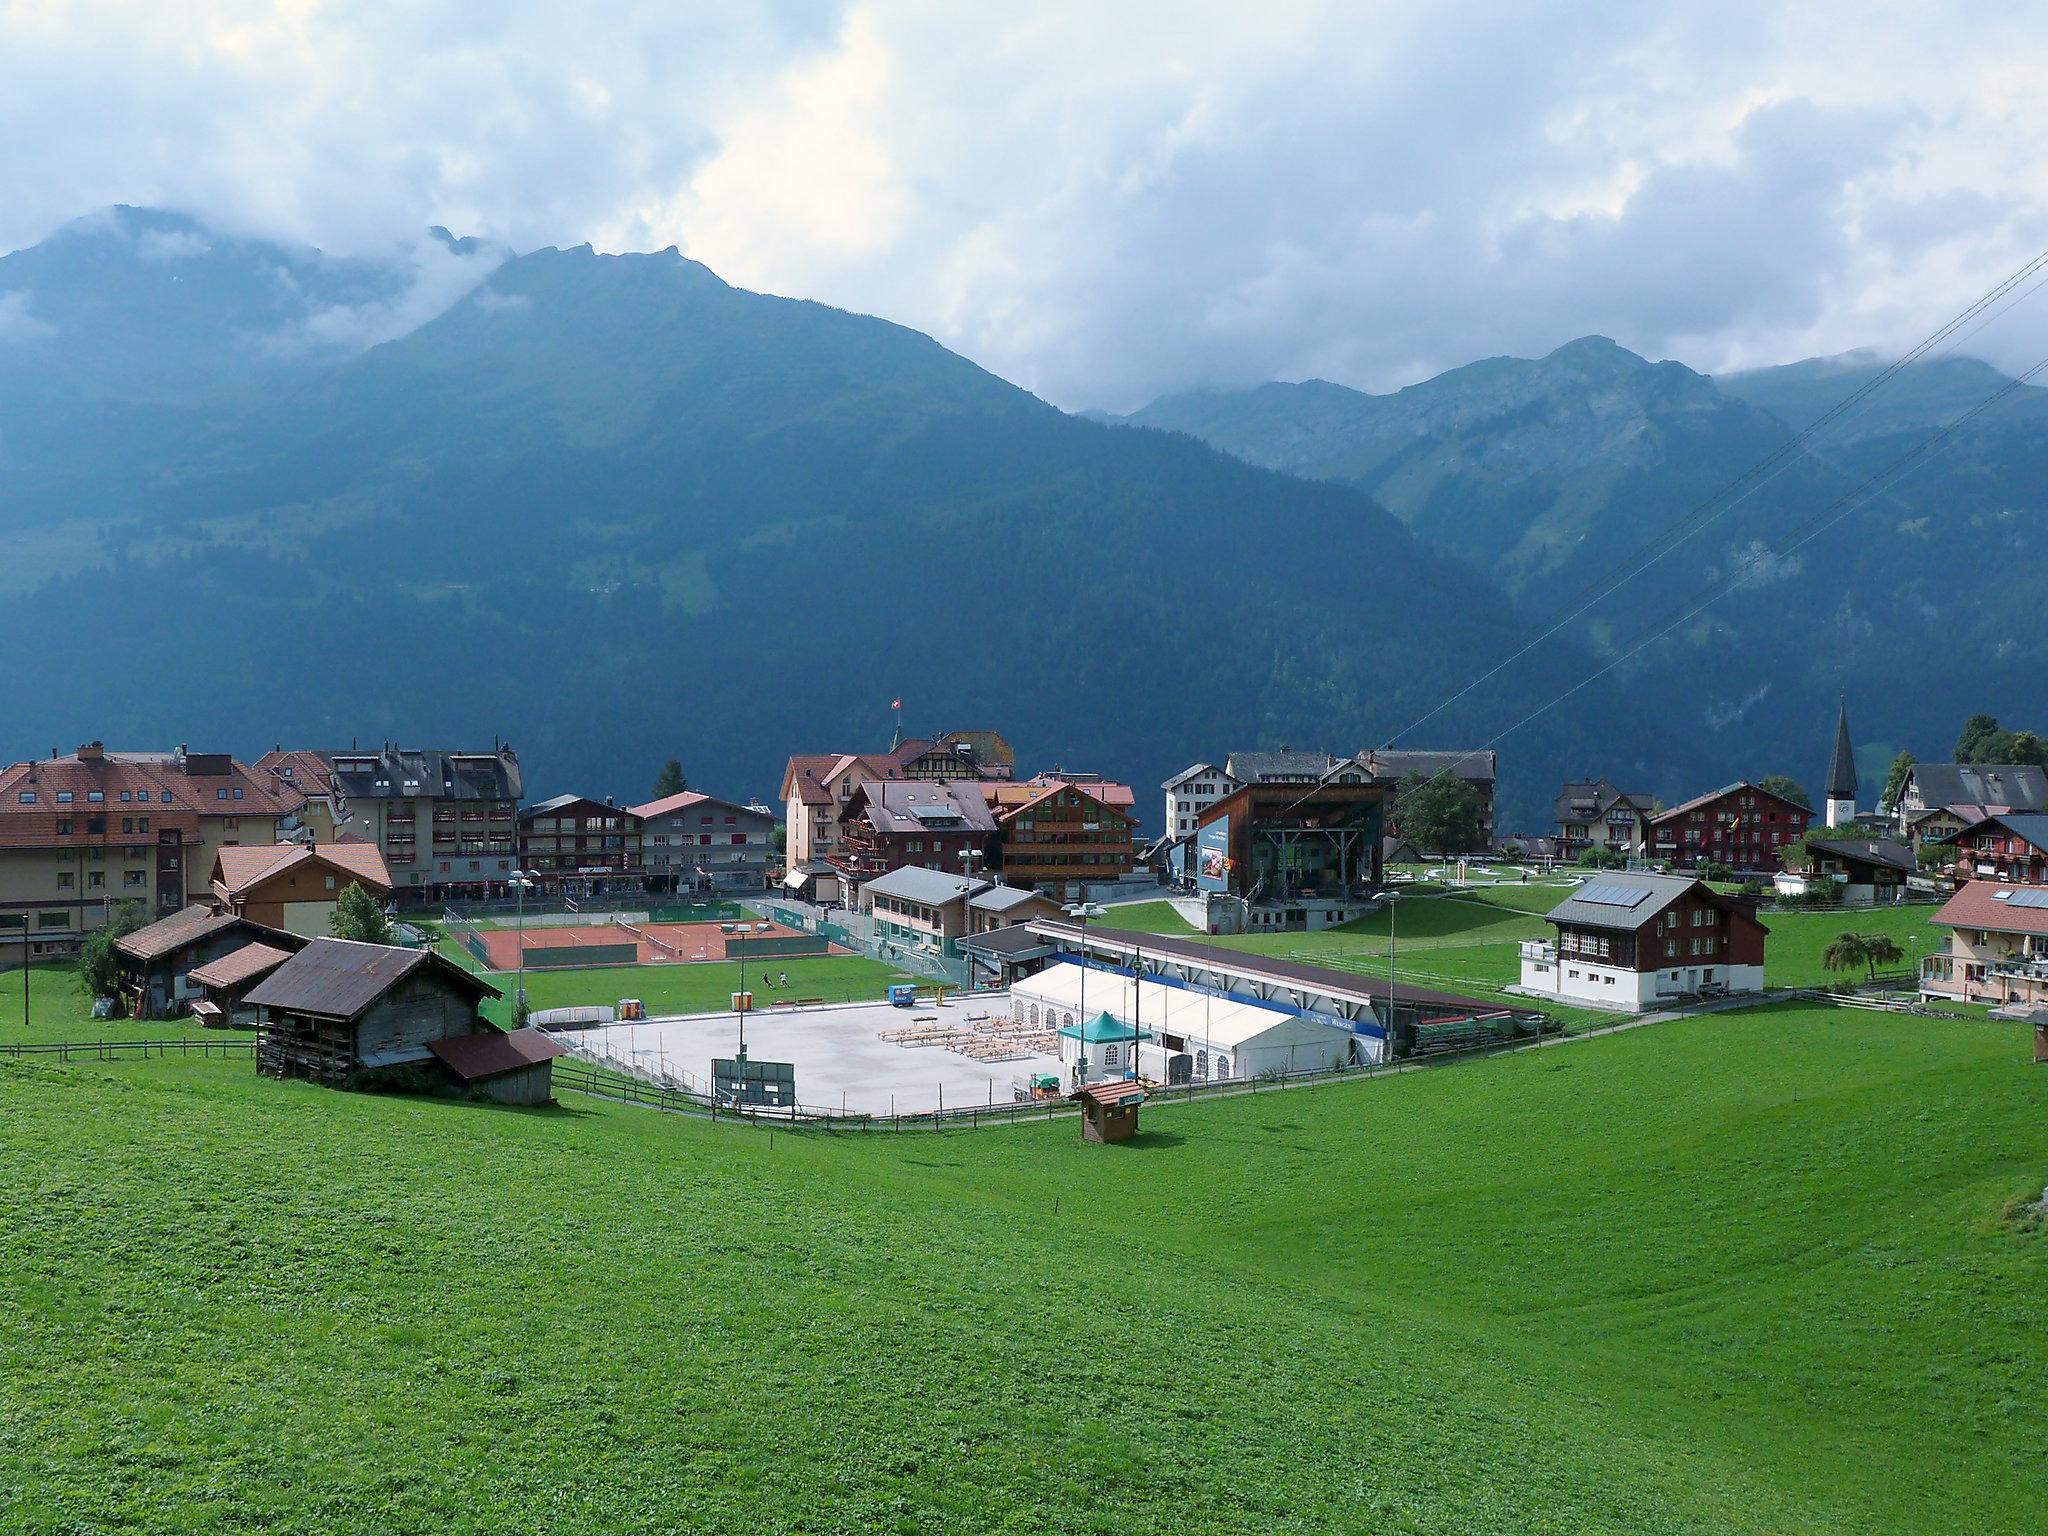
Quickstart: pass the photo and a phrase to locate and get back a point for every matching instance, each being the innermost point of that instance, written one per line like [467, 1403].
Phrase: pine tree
[670, 781]
[1895, 782]
[357, 916]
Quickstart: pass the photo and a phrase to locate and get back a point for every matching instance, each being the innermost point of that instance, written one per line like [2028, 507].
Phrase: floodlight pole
[520, 881]
[1083, 910]
[1392, 897]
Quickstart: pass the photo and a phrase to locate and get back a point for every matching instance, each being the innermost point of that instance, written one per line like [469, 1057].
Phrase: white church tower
[1841, 790]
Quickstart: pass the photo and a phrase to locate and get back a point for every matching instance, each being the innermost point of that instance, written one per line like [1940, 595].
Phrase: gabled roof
[1988, 904]
[1884, 852]
[1261, 767]
[168, 934]
[339, 978]
[893, 806]
[1740, 786]
[1478, 766]
[1604, 901]
[306, 772]
[668, 805]
[2021, 786]
[239, 870]
[2030, 827]
[1592, 799]
[1003, 898]
[1193, 770]
[404, 773]
[488, 1053]
[240, 965]
[931, 886]
[556, 804]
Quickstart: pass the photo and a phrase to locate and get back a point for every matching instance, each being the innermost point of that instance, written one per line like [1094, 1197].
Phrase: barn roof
[240, 965]
[471, 1057]
[339, 978]
[171, 933]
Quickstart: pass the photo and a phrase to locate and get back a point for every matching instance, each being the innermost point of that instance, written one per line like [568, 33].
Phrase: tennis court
[650, 944]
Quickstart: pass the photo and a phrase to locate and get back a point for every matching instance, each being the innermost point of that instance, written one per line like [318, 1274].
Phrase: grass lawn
[703, 987]
[1792, 953]
[59, 1011]
[1736, 1274]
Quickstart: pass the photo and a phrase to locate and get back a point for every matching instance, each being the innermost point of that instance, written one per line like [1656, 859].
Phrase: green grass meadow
[1744, 1273]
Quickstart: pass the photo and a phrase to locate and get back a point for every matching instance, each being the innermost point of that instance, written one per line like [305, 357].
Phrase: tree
[1602, 858]
[1440, 814]
[99, 968]
[357, 916]
[1980, 734]
[1895, 782]
[1869, 950]
[670, 780]
[1786, 787]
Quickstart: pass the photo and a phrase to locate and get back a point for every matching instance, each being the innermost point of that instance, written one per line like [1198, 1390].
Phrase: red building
[1741, 825]
[2012, 847]
[894, 823]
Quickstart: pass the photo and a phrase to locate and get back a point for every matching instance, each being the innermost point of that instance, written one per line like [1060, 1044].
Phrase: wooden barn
[515, 1068]
[224, 984]
[338, 1008]
[157, 961]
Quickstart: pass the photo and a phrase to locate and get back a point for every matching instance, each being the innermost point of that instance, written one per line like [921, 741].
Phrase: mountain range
[615, 510]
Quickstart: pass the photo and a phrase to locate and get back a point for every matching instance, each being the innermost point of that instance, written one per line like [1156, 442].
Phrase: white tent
[1221, 1036]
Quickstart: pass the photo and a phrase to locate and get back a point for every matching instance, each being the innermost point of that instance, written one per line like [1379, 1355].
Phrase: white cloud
[18, 322]
[1105, 201]
[435, 277]
[172, 244]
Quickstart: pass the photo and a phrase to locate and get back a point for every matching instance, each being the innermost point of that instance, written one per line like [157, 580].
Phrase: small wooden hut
[339, 1008]
[1109, 1110]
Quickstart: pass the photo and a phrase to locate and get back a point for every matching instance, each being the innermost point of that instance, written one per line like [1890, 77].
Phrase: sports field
[1758, 1273]
[653, 943]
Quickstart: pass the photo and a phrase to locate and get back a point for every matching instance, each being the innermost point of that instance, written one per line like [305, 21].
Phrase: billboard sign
[1212, 856]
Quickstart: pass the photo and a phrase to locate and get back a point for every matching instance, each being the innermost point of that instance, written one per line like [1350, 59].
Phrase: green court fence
[472, 936]
[788, 945]
[559, 957]
[700, 912]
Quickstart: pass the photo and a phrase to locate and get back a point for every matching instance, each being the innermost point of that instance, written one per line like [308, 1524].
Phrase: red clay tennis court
[652, 944]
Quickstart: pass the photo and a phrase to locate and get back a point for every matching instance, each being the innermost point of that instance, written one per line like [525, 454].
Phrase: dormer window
[95, 794]
[27, 797]
[63, 797]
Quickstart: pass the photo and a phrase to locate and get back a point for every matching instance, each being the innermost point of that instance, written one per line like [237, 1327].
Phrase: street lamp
[1082, 911]
[522, 882]
[1390, 896]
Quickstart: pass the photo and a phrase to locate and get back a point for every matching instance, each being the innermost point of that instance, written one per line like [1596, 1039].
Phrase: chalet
[816, 786]
[1593, 813]
[294, 886]
[897, 823]
[1631, 941]
[1742, 825]
[1856, 871]
[338, 1009]
[1192, 791]
[1996, 786]
[1926, 828]
[1997, 946]
[696, 842]
[157, 962]
[1061, 835]
[574, 845]
[2011, 846]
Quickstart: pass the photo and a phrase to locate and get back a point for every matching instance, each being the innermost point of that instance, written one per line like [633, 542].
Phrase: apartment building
[697, 842]
[894, 823]
[1057, 835]
[581, 846]
[447, 823]
[1192, 791]
[83, 832]
[1593, 813]
[1997, 946]
[1742, 825]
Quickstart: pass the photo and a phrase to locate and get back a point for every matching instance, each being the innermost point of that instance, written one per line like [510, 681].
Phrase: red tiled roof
[189, 786]
[240, 869]
[174, 932]
[1977, 905]
[309, 772]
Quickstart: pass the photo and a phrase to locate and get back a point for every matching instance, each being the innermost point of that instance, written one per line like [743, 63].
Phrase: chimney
[92, 752]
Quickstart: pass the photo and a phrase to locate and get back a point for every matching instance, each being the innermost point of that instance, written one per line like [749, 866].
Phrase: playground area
[620, 942]
[863, 1058]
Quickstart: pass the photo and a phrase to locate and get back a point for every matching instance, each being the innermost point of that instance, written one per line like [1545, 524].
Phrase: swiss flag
[895, 703]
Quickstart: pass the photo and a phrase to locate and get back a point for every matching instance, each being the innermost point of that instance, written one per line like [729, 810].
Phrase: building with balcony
[1629, 942]
[1059, 835]
[2011, 846]
[1742, 825]
[1594, 814]
[576, 846]
[1993, 787]
[447, 823]
[84, 832]
[1997, 950]
[697, 842]
[897, 823]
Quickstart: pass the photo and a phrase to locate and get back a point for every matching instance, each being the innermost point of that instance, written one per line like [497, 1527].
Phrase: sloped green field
[1737, 1274]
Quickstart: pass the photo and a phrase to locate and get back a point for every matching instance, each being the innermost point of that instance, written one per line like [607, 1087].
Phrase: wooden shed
[1109, 1110]
[339, 1008]
[157, 961]
[515, 1068]
[224, 984]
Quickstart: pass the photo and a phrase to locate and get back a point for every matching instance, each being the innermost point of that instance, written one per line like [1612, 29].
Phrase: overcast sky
[1102, 201]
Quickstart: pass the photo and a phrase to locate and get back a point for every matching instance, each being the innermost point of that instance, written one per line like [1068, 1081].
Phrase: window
[132, 878]
[65, 879]
[53, 919]
[142, 823]
[1109, 1055]
[64, 829]
[125, 796]
[63, 797]
[220, 794]
[27, 797]
[238, 791]
[95, 794]
[96, 880]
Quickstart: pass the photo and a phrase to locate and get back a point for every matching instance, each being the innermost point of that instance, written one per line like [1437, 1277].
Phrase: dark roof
[1583, 909]
[1192, 770]
[913, 805]
[1321, 977]
[2019, 786]
[1740, 786]
[2029, 826]
[398, 773]
[160, 938]
[1010, 943]
[1842, 763]
[1884, 852]
[1003, 898]
[1475, 767]
[931, 886]
[339, 978]
[1283, 767]
[1592, 799]
[488, 1053]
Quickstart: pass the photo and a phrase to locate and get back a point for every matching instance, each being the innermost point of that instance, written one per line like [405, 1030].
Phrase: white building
[1192, 791]
[1180, 1033]
[1630, 941]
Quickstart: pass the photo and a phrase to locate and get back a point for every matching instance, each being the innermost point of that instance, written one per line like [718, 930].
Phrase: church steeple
[1841, 787]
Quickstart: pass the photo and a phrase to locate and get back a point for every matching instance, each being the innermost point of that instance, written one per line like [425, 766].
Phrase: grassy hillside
[1744, 1274]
